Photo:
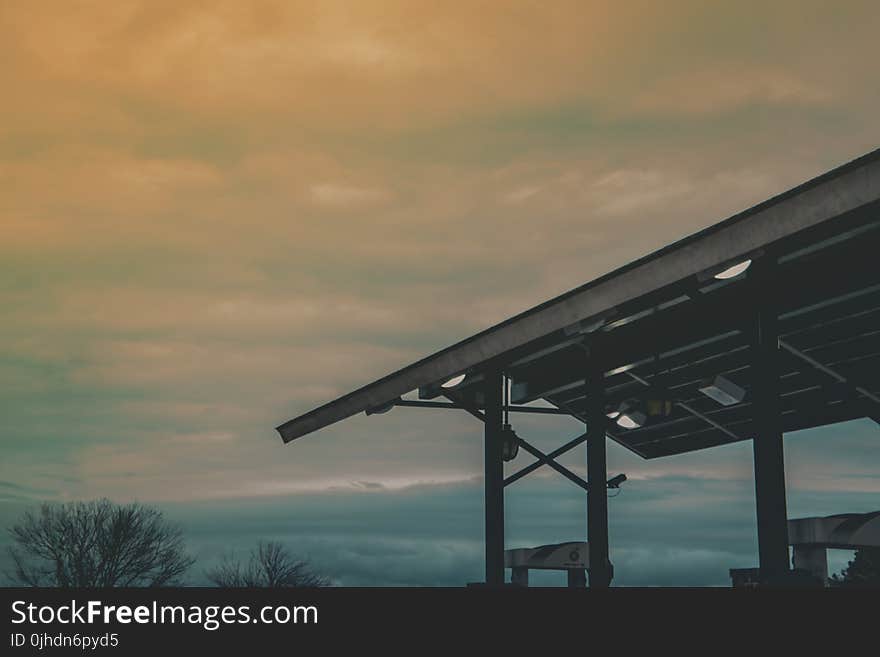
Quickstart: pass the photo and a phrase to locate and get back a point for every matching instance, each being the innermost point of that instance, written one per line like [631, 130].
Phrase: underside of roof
[667, 327]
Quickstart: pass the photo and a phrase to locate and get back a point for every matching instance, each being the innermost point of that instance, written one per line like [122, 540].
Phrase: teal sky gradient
[214, 218]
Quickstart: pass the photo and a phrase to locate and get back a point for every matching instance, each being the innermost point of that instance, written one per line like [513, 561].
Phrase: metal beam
[544, 459]
[824, 390]
[455, 399]
[494, 480]
[852, 385]
[597, 471]
[689, 327]
[767, 442]
[686, 329]
[687, 408]
[839, 191]
[561, 469]
[803, 418]
[798, 392]
[538, 410]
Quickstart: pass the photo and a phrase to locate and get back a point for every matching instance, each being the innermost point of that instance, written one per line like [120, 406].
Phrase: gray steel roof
[666, 325]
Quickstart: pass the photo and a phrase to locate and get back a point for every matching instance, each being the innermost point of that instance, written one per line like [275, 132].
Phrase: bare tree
[270, 566]
[95, 544]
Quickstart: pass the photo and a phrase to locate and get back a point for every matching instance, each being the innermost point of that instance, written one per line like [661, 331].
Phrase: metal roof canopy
[666, 325]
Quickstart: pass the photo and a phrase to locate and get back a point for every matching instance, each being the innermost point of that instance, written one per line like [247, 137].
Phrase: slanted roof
[666, 324]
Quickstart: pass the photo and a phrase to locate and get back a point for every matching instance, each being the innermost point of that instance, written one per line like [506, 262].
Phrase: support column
[597, 475]
[494, 481]
[577, 579]
[813, 559]
[767, 439]
[519, 576]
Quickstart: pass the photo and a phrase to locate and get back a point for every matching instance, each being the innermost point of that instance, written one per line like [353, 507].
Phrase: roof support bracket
[513, 408]
[545, 459]
[854, 387]
[685, 407]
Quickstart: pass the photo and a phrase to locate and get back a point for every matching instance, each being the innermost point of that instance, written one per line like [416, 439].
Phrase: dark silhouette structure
[811, 538]
[765, 323]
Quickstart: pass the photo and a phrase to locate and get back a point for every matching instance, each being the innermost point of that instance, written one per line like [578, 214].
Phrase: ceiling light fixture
[631, 419]
[733, 270]
[454, 381]
[631, 414]
[724, 391]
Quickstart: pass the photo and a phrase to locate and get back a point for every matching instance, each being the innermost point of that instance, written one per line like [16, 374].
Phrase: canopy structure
[764, 323]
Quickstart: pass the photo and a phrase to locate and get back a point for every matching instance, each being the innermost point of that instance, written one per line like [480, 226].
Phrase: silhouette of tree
[270, 566]
[863, 570]
[95, 544]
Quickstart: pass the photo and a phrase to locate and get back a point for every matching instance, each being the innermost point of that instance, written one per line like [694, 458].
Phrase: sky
[215, 216]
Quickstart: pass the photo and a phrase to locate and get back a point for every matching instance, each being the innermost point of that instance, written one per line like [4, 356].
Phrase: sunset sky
[215, 216]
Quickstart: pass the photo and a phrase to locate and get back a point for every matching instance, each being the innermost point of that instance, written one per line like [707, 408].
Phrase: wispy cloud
[214, 218]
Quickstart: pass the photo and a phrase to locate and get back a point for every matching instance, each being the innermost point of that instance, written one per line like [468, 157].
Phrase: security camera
[509, 443]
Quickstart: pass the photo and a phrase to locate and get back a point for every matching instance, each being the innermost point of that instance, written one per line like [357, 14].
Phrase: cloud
[216, 218]
[726, 91]
[432, 535]
[12, 492]
[343, 196]
[369, 485]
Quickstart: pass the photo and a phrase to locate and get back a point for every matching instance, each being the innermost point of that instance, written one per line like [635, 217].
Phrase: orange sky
[215, 215]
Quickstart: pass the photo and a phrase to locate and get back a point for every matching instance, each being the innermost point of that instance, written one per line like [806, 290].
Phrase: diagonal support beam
[689, 409]
[455, 399]
[853, 386]
[561, 469]
[544, 459]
